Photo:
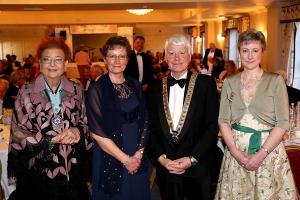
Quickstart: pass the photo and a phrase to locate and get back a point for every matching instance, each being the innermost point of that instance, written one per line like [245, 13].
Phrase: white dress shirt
[211, 54]
[176, 98]
[139, 59]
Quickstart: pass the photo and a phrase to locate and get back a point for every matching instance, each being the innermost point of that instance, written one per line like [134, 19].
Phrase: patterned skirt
[273, 180]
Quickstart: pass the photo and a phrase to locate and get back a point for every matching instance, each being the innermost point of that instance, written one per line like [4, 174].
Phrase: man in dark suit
[183, 113]
[210, 54]
[293, 93]
[139, 65]
[95, 72]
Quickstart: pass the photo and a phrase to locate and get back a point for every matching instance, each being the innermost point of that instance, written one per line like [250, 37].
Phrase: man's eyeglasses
[115, 57]
[48, 60]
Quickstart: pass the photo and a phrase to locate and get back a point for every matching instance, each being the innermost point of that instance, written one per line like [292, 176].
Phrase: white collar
[183, 75]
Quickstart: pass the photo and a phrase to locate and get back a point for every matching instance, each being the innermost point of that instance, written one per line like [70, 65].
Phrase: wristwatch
[193, 160]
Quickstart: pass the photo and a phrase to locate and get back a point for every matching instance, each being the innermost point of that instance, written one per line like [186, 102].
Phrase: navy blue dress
[126, 113]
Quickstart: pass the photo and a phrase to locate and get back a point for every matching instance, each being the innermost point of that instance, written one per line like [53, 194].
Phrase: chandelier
[139, 11]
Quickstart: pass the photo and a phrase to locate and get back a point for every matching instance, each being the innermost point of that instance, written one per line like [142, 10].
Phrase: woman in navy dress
[117, 119]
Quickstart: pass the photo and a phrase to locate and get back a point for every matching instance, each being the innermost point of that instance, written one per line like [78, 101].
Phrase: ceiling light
[33, 9]
[139, 11]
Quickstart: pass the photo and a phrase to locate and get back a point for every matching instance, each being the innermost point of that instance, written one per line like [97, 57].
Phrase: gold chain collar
[176, 132]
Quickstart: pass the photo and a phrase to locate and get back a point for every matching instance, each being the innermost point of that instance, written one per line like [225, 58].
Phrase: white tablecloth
[8, 189]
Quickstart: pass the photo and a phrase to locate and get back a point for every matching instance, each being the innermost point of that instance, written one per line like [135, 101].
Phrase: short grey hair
[252, 35]
[179, 39]
[98, 68]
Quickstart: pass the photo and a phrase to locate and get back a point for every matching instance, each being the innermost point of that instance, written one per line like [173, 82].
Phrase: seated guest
[230, 69]
[34, 70]
[12, 64]
[2, 70]
[156, 73]
[218, 67]
[194, 65]
[96, 71]
[3, 88]
[17, 79]
[293, 93]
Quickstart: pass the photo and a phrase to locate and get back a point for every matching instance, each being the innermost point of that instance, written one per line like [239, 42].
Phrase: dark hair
[49, 43]
[252, 35]
[231, 63]
[139, 37]
[112, 42]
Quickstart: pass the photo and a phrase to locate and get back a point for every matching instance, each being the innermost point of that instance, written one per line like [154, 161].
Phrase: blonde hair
[282, 73]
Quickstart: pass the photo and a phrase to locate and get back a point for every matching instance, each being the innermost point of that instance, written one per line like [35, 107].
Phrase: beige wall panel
[156, 35]
[20, 41]
[259, 21]
[92, 43]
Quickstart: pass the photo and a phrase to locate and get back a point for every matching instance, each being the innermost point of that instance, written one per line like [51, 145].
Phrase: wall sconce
[198, 39]
[220, 38]
[222, 17]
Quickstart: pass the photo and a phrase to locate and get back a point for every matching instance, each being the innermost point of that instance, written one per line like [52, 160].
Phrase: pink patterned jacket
[31, 132]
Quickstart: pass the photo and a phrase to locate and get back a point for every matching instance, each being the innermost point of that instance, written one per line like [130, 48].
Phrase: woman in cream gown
[253, 119]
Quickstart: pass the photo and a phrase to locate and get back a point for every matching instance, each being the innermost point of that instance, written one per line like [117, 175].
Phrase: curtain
[288, 51]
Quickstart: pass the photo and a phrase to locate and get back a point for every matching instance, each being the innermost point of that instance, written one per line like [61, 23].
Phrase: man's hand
[177, 166]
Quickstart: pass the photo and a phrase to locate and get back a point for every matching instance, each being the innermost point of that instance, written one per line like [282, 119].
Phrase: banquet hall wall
[23, 39]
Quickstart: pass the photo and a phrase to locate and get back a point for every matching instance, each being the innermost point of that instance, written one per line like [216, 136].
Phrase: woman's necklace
[248, 85]
[249, 82]
[117, 79]
[55, 98]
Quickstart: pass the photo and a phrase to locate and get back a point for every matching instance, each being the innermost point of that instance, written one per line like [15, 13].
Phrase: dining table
[292, 147]
[8, 185]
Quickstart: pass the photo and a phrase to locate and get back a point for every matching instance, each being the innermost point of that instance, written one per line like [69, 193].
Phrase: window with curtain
[203, 43]
[296, 82]
[233, 51]
[290, 31]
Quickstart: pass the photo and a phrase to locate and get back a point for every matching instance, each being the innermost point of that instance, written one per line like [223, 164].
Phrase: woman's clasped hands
[252, 162]
[69, 136]
[133, 163]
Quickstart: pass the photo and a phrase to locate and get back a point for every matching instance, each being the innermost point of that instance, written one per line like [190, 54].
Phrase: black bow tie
[180, 82]
[140, 53]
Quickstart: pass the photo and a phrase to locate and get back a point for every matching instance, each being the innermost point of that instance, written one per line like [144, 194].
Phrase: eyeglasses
[48, 60]
[115, 57]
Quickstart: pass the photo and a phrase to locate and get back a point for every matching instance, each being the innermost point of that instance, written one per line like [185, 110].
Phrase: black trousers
[33, 187]
[186, 189]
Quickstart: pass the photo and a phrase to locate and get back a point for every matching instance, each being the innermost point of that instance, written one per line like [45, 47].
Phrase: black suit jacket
[218, 53]
[132, 68]
[10, 96]
[294, 95]
[198, 135]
